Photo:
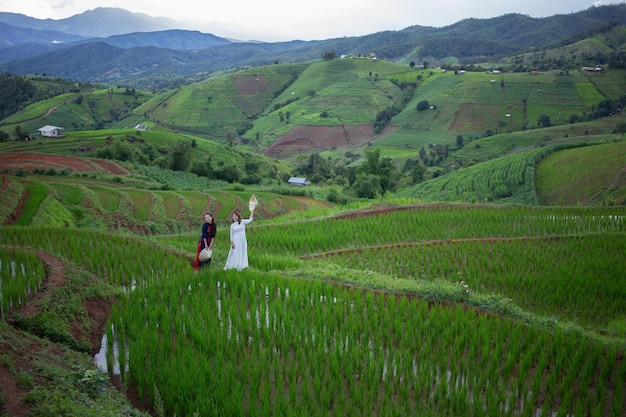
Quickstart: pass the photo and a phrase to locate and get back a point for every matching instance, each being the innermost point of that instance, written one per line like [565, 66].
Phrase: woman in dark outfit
[209, 228]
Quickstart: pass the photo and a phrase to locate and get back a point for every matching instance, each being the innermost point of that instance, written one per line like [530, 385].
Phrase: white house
[51, 131]
[298, 182]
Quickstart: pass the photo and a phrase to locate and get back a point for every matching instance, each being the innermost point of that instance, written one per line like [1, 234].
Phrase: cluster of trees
[384, 116]
[17, 92]
[375, 176]
[184, 157]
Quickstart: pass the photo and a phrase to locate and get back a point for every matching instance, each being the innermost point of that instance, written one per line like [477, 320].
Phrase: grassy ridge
[74, 201]
[562, 181]
[512, 178]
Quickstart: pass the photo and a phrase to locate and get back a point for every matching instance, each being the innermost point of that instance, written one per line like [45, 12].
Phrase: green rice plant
[21, 275]
[9, 195]
[105, 251]
[558, 185]
[318, 336]
[141, 202]
[198, 203]
[37, 193]
[69, 194]
[108, 198]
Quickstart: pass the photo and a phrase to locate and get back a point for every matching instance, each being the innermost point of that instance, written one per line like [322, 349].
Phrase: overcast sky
[281, 20]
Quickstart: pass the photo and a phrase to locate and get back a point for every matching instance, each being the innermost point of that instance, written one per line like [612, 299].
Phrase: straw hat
[205, 254]
[253, 202]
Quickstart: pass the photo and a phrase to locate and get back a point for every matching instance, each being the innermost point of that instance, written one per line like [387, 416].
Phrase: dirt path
[19, 208]
[22, 356]
[48, 112]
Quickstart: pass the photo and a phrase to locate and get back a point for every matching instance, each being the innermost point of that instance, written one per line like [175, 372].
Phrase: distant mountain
[140, 51]
[170, 39]
[11, 36]
[97, 23]
[99, 61]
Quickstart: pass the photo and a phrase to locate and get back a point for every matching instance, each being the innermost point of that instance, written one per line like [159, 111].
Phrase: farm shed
[298, 182]
[51, 131]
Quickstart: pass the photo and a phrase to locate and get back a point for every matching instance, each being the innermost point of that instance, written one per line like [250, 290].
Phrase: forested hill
[152, 57]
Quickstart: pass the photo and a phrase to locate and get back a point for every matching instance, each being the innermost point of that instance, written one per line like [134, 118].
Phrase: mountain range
[118, 47]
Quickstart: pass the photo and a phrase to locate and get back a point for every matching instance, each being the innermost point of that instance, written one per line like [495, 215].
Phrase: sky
[284, 20]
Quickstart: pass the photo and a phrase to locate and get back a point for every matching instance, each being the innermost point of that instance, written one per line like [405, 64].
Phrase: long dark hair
[238, 214]
[213, 221]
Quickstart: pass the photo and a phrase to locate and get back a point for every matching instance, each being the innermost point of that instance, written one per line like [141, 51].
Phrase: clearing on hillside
[317, 138]
[31, 161]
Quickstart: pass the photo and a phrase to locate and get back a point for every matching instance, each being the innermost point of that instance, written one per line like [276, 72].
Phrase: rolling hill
[505, 219]
[159, 52]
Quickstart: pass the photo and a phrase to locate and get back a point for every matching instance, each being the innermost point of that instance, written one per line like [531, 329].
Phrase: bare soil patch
[251, 84]
[31, 161]
[317, 138]
[111, 167]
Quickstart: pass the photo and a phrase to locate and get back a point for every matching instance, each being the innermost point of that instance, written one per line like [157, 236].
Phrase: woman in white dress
[238, 253]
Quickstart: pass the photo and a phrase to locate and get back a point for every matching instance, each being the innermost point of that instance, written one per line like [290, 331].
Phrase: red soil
[251, 84]
[30, 161]
[317, 138]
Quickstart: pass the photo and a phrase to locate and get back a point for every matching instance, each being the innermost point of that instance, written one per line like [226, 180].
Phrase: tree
[422, 105]
[19, 133]
[367, 186]
[229, 173]
[231, 135]
[544, 121]
[329, 55]
[380, 167]
[181, 157]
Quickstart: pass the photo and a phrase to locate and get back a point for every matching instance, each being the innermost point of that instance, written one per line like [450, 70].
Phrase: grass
[36, 110]
[198, 201]
[470, 104]
[141, 202]
[69, 194]
[78, 111]
[202, 107]
[561, 181]
[10, 197]
[108, 198]
[37, 193]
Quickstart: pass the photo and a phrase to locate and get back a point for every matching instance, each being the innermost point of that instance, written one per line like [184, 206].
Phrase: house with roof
[51, 131]
[298, 182]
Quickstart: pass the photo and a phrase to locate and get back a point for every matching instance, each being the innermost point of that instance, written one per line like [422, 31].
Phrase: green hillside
[84, 107]
[460, 250]
[209, 107]
[261, 125]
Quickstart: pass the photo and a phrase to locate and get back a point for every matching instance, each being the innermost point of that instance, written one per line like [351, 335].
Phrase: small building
[141, 128]
[51, 131]
[298, 182]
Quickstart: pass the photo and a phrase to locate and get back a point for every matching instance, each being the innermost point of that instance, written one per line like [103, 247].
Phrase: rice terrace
[430, 239]
[434, 309]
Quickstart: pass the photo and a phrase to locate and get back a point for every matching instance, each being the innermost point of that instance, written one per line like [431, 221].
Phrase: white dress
[238, 257]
